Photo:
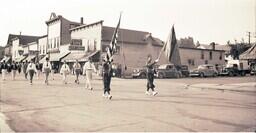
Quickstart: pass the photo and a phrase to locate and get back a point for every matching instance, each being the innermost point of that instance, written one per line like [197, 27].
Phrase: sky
[205, 20]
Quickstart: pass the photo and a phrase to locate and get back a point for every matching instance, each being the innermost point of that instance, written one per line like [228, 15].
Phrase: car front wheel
[161, 76]
[201, 75]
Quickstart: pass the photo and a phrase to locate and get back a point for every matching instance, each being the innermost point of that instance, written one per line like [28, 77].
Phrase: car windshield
[201, 67]
[162, 67]
[184, 67]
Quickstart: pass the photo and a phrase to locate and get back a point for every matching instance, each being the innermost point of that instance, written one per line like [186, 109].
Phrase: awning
[58, 56]
[6, 59]
[20, 59]
[43, 59]
[30, 57]
[80, 56]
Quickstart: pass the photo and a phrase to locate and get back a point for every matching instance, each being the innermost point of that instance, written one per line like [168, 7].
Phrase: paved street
[189, 104]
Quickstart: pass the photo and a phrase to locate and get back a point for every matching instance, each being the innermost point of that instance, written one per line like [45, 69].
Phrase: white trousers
[64, 77]
[4, 71]
[14, 74]
[88, 79]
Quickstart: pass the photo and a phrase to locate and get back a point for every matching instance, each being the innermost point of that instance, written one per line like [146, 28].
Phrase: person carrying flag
[150, 75]
[107, 74]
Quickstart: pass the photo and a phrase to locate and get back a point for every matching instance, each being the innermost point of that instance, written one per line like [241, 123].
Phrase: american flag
[112, 46]
[171, 48]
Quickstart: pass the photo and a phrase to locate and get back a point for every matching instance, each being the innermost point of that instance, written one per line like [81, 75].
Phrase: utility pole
[249, 37]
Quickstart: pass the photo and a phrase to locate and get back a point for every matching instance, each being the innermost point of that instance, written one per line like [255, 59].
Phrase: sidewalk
[241, 87]
[4, 128]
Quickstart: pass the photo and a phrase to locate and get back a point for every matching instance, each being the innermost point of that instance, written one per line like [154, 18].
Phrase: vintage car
[168, 71]
[204, 71]
[184, 70]
[139, 73]
[253, 70]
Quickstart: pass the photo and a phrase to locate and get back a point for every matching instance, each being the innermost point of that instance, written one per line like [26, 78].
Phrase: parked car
[231, 71]
[253, 70]
[184, 70]
[168, 71]
[204, 71]
[139, 73]
[236, 68]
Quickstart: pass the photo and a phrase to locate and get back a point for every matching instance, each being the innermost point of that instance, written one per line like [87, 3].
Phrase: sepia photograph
[127, 66]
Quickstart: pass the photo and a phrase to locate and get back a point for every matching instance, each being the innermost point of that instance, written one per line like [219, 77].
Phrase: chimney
[20, 33]
[82, 20]
[213, 45]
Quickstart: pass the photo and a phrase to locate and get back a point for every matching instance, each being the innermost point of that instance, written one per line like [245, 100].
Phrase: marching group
[30, 68]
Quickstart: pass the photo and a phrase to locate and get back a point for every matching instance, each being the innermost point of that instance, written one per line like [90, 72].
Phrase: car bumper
[135, 75]
[194, 74]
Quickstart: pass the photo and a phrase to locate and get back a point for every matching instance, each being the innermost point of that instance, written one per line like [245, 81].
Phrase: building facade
[193, 57]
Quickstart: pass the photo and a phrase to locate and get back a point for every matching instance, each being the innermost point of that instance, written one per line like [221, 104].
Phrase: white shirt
[31, 66]
[76, 66]
[64, 69]
[89, 66]
[47, 65]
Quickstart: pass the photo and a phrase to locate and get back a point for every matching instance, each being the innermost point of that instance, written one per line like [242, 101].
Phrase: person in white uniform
[88, 68]
[4, 68]
[64, 71]
[47, 68]
[77, 70]
[31, 70]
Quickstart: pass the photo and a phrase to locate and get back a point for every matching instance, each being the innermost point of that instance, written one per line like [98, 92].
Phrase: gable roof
[217, 47]
[128, 36]
[24, 39]
[249, 54]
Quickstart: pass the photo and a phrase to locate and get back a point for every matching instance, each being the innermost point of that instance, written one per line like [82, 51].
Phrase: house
[1, 53]
[23, 46]
[132, 48]
[193, 57]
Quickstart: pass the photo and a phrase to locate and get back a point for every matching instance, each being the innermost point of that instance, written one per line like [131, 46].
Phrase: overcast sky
[204, 20]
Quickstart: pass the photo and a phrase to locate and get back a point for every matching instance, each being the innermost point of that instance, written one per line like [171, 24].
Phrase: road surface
[187, 104]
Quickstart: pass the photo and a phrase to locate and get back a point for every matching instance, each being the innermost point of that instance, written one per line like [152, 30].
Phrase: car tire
[161, 75]
[215, 75]
[230, 74]
[243, 73]
[143, 75]
[201, 75]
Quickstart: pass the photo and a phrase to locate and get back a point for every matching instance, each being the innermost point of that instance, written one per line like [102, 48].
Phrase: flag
[112, 46]
[171, 48]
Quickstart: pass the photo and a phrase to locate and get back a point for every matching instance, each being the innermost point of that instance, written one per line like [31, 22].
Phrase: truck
[236, 68]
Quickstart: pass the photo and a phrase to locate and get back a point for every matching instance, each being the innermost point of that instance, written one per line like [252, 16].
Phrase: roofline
[83, 26]
[52, 20]
[202, 49]
[128, 29]
[42, 36]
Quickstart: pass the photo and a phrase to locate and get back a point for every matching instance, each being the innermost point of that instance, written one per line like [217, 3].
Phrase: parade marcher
[77, 70]
[39, 69]
[47, 68]
[19, 67]
[64, 71]
[14, 67]
[25, 65]
[107, 74]
[31, 70]
[150, 75]
[52, 71]
[4, 68]
[88, 68]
